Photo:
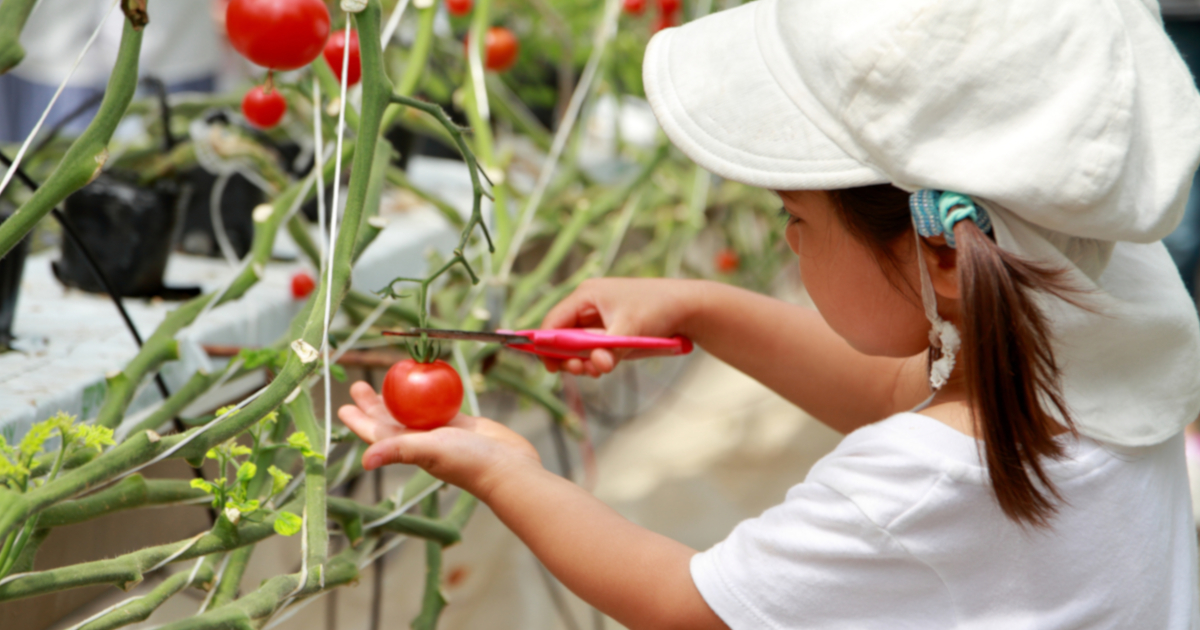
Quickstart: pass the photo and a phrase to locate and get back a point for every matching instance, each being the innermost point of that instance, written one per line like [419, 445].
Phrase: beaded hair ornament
[935, 213]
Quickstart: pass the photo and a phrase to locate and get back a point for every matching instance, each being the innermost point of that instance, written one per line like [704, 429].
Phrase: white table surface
[68, 340]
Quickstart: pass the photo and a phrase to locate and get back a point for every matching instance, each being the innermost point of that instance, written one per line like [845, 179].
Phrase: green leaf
[237, 449]
[287, 524]
[212, 453]
[246, 472]
[33, 441]
[280, 479]
[96, 437]
[299, 441]
[204, 485]
[245, 507]
[338, 373]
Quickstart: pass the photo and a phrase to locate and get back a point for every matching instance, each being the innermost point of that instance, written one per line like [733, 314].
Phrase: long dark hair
[1011, 375]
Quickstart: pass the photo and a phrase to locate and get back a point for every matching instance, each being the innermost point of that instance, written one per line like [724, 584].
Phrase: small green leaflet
[299, 441]
[279, 478]
[287, 524]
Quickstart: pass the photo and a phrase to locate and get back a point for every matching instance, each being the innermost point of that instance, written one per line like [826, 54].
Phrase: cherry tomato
[335, 48]
[669, 6]
[727, 261]
[278, 34]
[500, 48]
[302, 285]
[263, 107]
[635, 7]
[664, 20]
[459, 7]
[422, 395]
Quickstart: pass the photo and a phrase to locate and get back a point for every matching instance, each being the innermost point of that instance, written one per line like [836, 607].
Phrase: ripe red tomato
[335, 48]
[459, 7]
[669, 6]
[302, 285]
[727, 261]
[635, 7]
[422, 395]
[278, 34]
[664, 20]
[263, 107]
[500, 48]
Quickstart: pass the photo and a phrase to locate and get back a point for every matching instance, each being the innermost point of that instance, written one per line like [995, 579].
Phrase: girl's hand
[649, 307]
[472, 453]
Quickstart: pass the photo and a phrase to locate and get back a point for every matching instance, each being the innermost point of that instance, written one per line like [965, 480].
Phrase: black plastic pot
[238, 200]
[129, 230]
[11, 266]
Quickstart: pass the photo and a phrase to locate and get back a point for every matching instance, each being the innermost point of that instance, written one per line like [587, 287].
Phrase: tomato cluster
[668, 12]
[263, 106]
[727, 261]
[422, 395]
[302, 285]
[335, 49]
[278, 34]
[500, 48]
[459, 8]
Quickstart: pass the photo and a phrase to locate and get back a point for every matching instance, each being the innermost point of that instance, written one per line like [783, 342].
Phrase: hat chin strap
[942, 334]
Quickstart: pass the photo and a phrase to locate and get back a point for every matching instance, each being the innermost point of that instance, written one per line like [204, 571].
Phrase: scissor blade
[464, 335]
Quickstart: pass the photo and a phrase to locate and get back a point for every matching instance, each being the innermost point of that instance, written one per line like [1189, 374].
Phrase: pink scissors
[561, 343]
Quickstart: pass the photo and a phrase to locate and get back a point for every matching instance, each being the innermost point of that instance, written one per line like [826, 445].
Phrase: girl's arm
[788, 348]
[635, 576]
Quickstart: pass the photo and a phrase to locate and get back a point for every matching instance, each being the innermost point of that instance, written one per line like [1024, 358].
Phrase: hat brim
[718, 101]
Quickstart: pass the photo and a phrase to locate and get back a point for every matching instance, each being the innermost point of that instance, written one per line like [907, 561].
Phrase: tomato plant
[302, 284]
[669, 7]
[635, 7]
[459, 7]
[263, 106]
[278, 34]
[500, 47]
[335, 49]
[727, 261]
[422, 395]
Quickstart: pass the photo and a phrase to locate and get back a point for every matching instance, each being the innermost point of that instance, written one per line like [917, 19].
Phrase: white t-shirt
[898, 528]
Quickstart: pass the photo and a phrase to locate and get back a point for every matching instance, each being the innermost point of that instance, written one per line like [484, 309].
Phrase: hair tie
[936, 212]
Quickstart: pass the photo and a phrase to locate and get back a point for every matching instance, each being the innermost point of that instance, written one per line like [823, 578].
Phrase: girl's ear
[942, 263]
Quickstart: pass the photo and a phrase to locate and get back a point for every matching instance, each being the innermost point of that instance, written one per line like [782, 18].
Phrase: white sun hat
[1074, 123]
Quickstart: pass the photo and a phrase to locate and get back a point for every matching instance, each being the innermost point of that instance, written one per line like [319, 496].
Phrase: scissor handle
[572, 343]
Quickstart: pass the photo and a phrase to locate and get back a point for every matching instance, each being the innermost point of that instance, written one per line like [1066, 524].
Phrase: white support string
[15, 576]
[405, 507]
[167, 453]
[195, 570]
[393, 22]
[475, 64]
[606, 31]
[165, 561]
[12, 170]
[319, 167]
[216, 583]
[105, 612]
[333, 232]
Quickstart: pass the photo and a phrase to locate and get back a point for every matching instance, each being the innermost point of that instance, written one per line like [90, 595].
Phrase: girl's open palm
[472, 453]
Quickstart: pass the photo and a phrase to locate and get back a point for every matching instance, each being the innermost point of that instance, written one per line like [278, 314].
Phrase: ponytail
[1011, 375]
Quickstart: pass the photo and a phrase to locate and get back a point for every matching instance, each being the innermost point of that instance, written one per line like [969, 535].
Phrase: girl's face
[851, 290]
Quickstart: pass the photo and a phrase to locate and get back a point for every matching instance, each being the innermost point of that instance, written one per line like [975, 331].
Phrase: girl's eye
[788, 218]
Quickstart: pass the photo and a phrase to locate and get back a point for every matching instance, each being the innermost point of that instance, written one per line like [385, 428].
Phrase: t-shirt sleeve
[817, 561]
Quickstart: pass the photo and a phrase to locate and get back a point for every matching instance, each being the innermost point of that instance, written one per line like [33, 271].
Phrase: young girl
[975, 190]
